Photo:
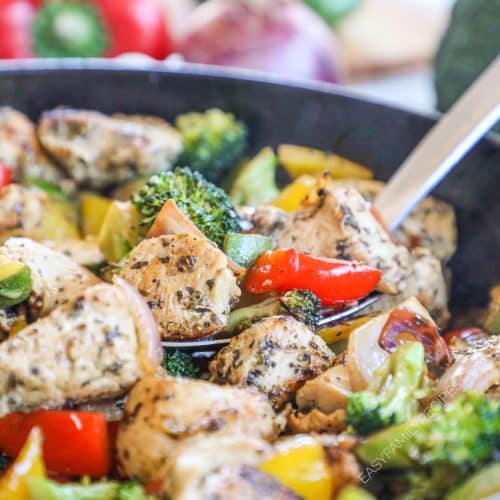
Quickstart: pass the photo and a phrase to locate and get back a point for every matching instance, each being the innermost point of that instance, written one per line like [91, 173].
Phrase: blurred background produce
[404, 52]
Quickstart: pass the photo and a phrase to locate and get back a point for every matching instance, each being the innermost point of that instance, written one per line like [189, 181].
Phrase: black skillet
[317, 115]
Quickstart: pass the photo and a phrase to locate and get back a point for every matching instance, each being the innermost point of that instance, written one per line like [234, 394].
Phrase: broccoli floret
[213, 142]
[303, 305]
[440, 448]
[393, 394]
[208, 207]
[179, 363]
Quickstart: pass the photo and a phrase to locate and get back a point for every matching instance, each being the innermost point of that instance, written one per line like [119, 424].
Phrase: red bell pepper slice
[75, 443]
[5, 175]
[334, 281]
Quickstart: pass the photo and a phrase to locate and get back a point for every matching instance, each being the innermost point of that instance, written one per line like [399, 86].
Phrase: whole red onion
[281, 36]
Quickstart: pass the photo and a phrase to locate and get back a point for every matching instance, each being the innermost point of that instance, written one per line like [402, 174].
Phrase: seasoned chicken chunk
[163, 415]
[327, 392]
[276, 355]
[427, 283]
[56, 278]
[432, 223]
[84, 252]
[338, 222]
[20, 150]
[21, 212]
[265, 220]
[186, 282]
[99, 150]
[91, 348]
[229, 482]
[476, 368]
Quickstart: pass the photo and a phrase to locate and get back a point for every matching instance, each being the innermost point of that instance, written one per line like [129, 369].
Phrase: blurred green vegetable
[333, 11]
[439, 450]
[471, 42]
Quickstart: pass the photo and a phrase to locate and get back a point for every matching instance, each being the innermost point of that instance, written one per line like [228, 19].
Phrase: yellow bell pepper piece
[58, 222]
[301, 466]
[28, 464]
[300, 160]
[341, 331]
[292, 195]
[93, 209]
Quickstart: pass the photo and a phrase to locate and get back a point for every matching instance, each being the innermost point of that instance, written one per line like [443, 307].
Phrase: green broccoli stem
[242, 318]
[303, 305]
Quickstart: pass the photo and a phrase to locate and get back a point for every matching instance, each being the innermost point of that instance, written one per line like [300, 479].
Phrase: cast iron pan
[316, 115]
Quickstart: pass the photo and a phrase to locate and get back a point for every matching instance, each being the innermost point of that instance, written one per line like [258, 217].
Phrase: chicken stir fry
[120, 251]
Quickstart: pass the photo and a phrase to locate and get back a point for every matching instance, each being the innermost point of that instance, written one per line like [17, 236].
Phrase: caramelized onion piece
[150, 350]
[404, 325]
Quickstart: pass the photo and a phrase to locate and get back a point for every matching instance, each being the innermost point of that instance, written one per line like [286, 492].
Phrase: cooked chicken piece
[186, 282]
[94, 347]
[327, 392]
[476, 368]
[21, 212]
[56, 278]
[338, 222]
[199, 463]
[244, 482]
[100, 150]
[316, 421]
[161, 415]
[276, 355]
[265, 220]
[20, 150]
[431, 224]
[84, 252]
[427, 283]
[171, 220]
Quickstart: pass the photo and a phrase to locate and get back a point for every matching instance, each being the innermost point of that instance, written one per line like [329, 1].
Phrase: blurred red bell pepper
[16, 17]
[334, 281]
[75, 443]
[5, 171]
[96, 28]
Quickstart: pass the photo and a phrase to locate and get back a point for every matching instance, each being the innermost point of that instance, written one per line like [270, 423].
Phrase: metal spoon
[437, 153]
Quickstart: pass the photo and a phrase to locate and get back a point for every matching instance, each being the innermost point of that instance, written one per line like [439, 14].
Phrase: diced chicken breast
[186, 282]
[427, 283]
[338, 222]
[84, 252]
[99, 150]
[229, 482]
[161, 416]
[264, 219]
[56, 278]
[276, 355]
[20, 150]
[432, 224]
[199, 463]
[90, 348]
[476, 368]
[21, 212]
[327, 392]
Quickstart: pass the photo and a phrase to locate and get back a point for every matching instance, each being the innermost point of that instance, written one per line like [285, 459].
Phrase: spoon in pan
[437, 153]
